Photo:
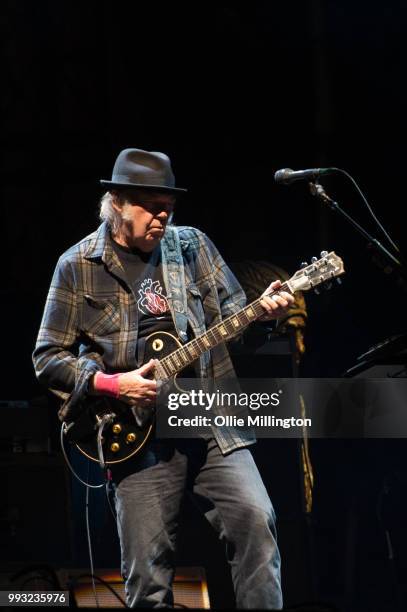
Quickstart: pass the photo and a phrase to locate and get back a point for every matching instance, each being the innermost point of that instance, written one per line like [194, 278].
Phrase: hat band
[160, 181]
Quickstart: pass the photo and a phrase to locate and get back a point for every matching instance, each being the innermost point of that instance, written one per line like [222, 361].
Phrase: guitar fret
[192, 349]
[175, 358]
[203, 344]
[183, 357]
[206, 342]
[214, 332]
[171, 364]
[250, 312]
[196, 349]
[187, 354]
[230, 329]
[258, 308]
[200, 347]
[164, 366]
[223, 331]
[242, 315]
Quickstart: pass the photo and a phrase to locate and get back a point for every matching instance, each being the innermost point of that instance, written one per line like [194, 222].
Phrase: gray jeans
[229, 488]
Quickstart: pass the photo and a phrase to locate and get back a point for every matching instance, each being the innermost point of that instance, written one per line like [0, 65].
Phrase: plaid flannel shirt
[90, 319]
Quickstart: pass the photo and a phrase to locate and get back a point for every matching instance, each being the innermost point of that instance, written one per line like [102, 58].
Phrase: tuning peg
[304, 265]
[327, 286]
[324, 253]
[338, 280]
[314, 259]
[316, 291]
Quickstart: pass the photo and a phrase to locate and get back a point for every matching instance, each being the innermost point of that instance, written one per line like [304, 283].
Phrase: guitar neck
[320, 271]
[221, 332]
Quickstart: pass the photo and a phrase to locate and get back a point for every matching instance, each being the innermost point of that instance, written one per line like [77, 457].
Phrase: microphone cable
[354, 183]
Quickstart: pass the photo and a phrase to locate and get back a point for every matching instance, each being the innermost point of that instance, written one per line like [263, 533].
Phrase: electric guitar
[108, 432]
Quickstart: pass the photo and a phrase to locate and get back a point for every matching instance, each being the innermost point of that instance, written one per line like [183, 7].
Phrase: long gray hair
[108, 213]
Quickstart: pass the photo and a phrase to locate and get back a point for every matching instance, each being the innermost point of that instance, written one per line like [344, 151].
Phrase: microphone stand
[393, 264]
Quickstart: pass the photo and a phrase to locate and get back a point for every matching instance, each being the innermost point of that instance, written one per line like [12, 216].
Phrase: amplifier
[190, 587]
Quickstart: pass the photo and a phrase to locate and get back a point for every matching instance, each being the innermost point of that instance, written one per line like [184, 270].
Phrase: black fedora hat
[143, 169]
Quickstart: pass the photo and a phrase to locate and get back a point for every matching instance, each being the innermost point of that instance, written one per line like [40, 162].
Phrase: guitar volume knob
[116, 428]
[115, 447]
[131, 437]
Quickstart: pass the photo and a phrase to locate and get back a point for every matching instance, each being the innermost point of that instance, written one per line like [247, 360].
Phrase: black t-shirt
[144, 276]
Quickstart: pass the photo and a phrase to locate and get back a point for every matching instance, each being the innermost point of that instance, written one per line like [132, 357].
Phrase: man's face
[145, 216]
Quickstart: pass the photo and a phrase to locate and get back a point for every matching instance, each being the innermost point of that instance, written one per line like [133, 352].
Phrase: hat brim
[159, 188]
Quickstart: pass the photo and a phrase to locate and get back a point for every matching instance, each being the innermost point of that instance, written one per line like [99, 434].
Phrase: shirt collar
[100, 246]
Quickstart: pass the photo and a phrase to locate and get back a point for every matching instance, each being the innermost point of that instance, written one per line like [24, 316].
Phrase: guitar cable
[90, 542]
[102, 422]
[64, 429]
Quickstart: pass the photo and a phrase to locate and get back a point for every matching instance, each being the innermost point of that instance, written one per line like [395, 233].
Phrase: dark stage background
[231, 93]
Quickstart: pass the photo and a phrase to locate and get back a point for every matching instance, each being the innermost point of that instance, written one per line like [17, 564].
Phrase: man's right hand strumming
[132, 387]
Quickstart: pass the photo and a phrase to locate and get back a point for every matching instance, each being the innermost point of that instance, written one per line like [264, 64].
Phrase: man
[137, 274]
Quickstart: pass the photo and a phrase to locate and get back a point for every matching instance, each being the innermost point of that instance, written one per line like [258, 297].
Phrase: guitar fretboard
[221, 332]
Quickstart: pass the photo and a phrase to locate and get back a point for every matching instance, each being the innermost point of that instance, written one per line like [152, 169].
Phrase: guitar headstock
[319, 271]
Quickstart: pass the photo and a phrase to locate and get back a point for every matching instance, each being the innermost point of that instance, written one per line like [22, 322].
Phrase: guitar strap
[174, 280]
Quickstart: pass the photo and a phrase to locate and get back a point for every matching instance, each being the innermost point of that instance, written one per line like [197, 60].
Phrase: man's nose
[162, 215]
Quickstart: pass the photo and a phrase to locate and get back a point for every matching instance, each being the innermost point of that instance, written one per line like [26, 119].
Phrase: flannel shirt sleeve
[55, 357]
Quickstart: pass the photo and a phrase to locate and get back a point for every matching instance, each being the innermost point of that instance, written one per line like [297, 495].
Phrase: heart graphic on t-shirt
[151, 300]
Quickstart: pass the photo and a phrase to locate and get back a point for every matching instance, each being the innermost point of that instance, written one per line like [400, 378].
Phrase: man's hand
[134, 388]
[275, 306]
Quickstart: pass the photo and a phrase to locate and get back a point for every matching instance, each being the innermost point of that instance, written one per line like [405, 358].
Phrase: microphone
[287, 175]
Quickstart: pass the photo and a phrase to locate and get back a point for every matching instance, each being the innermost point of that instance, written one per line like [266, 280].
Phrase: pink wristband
[107, 384]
